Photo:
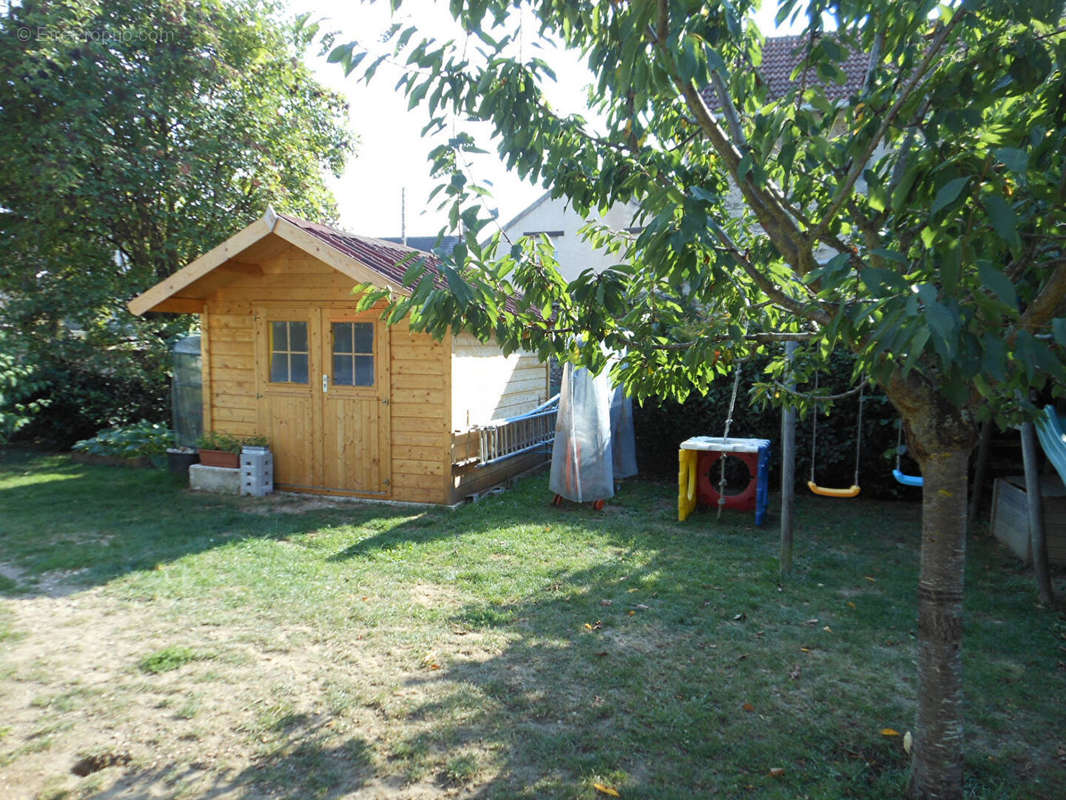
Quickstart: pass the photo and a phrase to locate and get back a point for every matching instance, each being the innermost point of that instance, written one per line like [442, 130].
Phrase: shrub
[132, 441]
[89, 386]
[20, 387]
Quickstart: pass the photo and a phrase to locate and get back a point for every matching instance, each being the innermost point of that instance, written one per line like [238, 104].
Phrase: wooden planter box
[1010, 520]
[220, 458]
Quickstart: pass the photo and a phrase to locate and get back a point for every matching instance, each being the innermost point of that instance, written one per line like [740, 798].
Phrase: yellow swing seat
[851, 491]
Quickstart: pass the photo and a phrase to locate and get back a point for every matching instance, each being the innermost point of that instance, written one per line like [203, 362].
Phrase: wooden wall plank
[419, 367]
[403, 467]
[413, 452]
[417, 438]
[434, 382]
[224, 346]
[417, 411]
[224, 414]
[234, 399]
[236, 428]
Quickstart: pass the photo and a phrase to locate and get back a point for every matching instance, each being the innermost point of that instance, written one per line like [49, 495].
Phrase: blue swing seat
[907, 480]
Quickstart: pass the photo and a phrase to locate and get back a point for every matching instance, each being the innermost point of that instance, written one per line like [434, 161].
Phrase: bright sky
[392, 153]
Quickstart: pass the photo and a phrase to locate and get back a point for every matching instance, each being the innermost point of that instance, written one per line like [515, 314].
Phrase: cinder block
[257, 472]
[218, 480]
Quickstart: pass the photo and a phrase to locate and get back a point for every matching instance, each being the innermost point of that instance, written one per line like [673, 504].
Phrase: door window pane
[342, 370]
[298, 337]
[279, 368]
[353, 353]
[364, 370]
[288, 352]
[364, 338]
[298, 364]
[281, 336]
[342, 337]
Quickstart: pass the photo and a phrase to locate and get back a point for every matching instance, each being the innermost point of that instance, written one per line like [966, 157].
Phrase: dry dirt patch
[244, 716]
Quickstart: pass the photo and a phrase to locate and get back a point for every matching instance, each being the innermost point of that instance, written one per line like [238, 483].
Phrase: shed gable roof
[362, 258]
[391, 260]
[442, 245]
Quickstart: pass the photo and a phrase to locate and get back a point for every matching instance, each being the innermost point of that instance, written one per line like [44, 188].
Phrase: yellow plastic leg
[686, 483]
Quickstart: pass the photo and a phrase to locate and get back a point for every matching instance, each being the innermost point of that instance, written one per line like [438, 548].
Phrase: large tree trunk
[937, 748]
[940, 437]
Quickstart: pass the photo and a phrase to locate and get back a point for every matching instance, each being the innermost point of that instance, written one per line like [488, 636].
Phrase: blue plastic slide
[1049, 429]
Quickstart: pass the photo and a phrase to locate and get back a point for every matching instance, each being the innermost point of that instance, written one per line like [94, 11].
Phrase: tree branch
[768, 209]
[822, 398]
[1047, 301]
[729, 111]
[858, 165]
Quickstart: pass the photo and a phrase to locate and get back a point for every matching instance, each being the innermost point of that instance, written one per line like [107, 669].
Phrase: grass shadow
[677, 665]
[300, 766]
[66, 525]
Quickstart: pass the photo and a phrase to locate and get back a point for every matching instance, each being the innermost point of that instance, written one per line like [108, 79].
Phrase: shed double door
[322, 392]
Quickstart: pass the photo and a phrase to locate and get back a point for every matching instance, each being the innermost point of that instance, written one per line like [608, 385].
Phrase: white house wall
[487, 385]
[573, 253]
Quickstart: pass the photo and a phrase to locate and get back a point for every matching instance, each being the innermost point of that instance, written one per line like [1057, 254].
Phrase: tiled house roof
[782, 54]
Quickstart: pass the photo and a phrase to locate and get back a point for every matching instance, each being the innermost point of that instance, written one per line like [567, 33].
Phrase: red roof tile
[782, 54]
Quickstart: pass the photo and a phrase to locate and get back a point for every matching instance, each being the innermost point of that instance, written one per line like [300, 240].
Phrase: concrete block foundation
[217, 480]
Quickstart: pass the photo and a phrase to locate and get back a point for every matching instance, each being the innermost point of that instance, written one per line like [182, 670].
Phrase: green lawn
[294, 648]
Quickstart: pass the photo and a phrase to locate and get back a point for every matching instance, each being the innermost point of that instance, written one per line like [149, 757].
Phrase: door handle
[325, 383]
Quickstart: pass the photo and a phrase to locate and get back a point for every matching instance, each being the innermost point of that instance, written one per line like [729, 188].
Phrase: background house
[556, 217]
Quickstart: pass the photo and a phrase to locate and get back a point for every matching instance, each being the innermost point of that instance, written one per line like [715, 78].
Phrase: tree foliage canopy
[918, 222]
[134, 136]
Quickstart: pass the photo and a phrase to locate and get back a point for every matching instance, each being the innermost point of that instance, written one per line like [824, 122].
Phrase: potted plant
[220, 450]
[257, 443]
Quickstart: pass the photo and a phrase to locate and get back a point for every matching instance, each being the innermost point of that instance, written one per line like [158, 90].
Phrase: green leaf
[993, 356]
[998, 283]
[947, 194]
[903, 188]
[1058, 329]
[883, 282]
[340, 53]
[915, 349]
[458, 286]
[1016, 160]
[1003, 219]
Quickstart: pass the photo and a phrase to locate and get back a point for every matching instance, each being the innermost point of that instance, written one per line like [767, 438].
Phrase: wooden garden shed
[350, 405]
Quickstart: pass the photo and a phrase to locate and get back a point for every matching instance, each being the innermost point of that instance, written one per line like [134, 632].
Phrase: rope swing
[853, 490]
[897, 473]
[725, 435]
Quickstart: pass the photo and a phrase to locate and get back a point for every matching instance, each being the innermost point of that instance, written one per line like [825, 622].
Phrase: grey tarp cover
[594, 441]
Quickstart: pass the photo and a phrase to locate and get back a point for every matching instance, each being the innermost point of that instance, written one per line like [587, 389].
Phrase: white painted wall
[573, 253]
[487, 385]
